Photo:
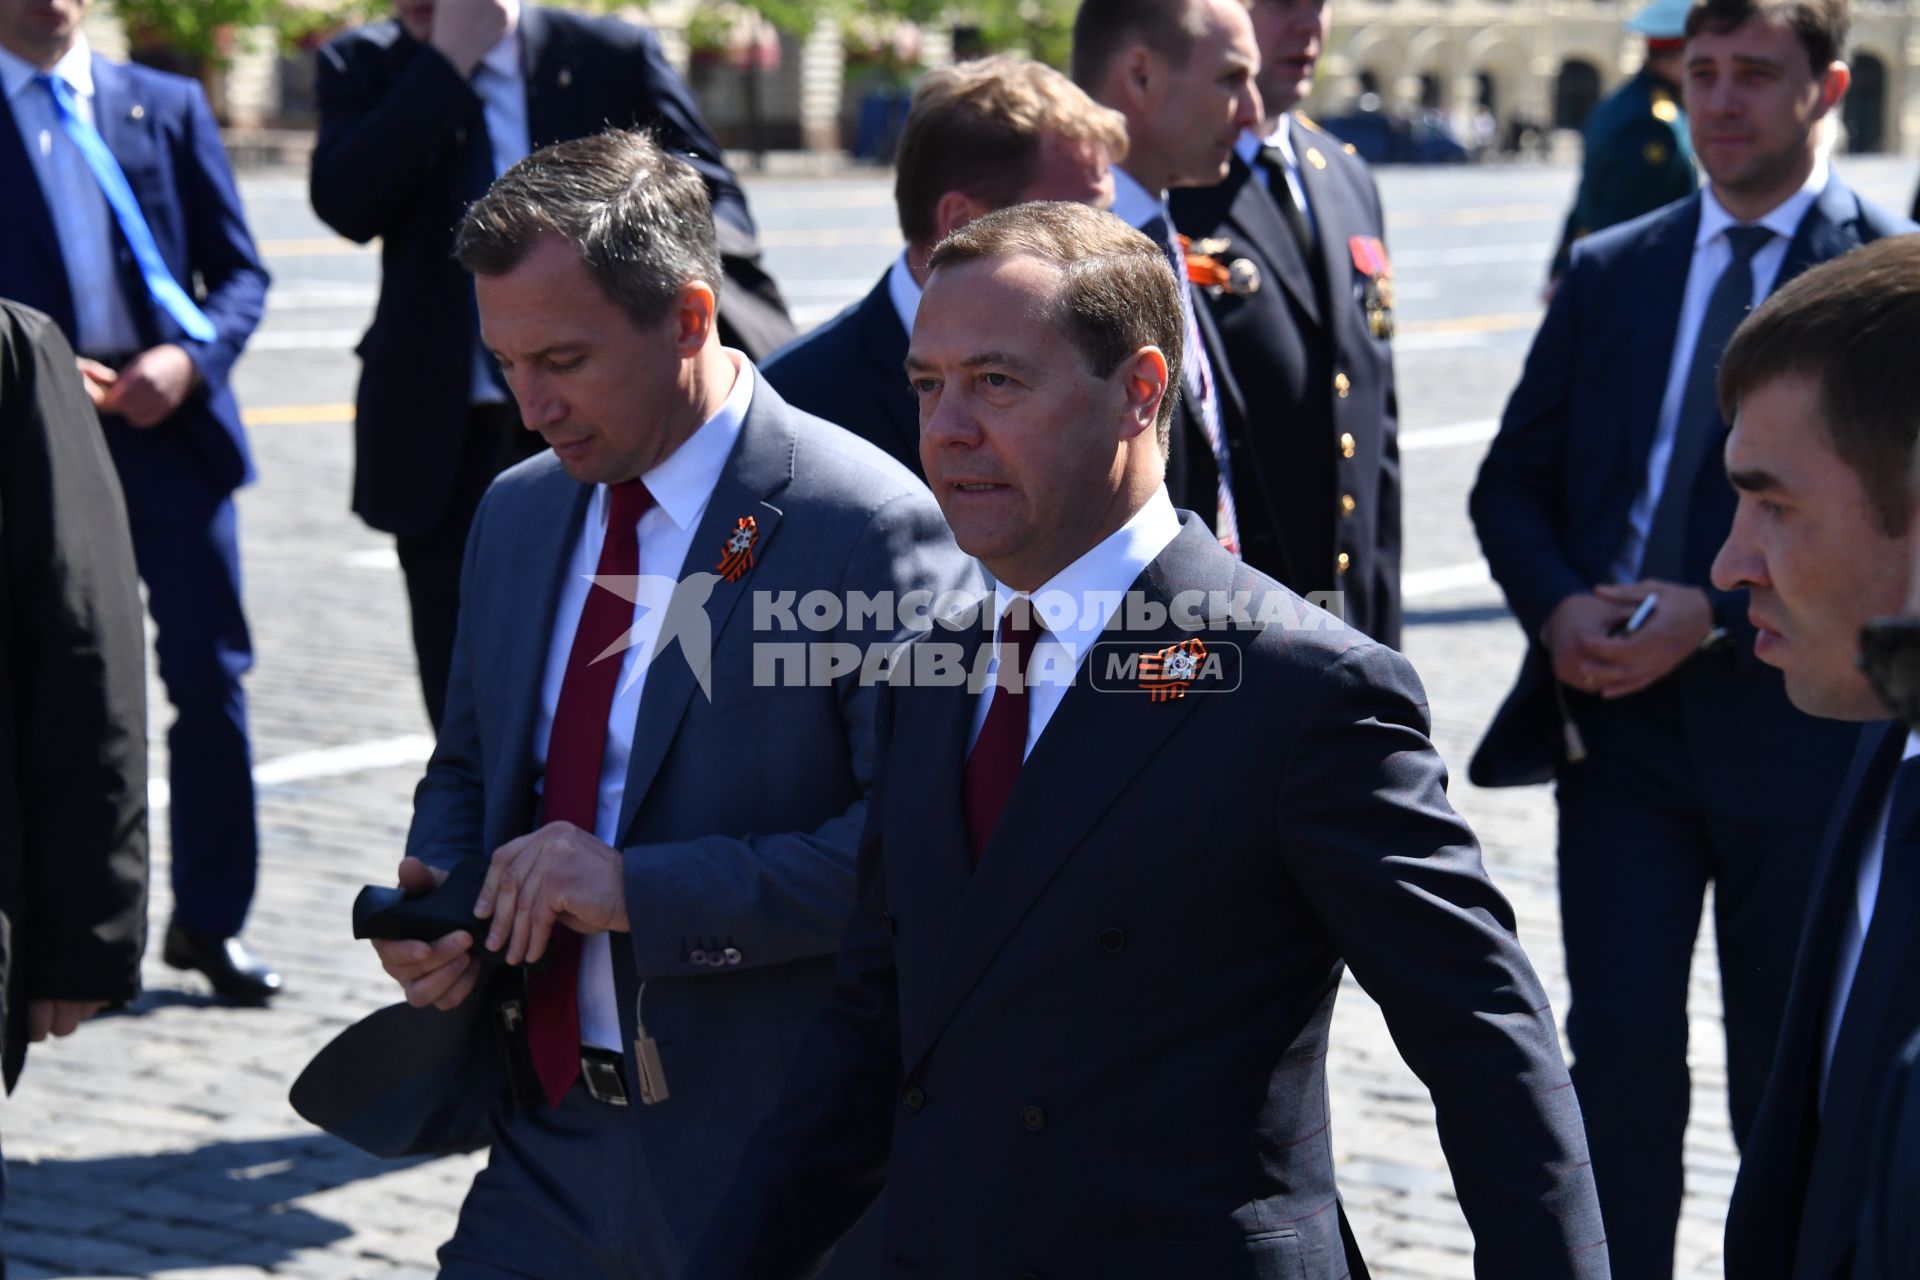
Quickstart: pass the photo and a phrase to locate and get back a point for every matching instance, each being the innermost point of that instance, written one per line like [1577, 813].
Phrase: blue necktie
[165, 290]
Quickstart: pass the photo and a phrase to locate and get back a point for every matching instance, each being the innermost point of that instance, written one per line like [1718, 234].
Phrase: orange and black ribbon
[736, 553]
[1166, 677]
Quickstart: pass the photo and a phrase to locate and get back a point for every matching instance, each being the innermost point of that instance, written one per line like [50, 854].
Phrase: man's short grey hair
[640, 217]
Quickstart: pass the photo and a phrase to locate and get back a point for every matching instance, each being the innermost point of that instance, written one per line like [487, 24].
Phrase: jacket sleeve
[1517, 500]
[220, 246]
[79, 672]
[375, 149]
[1396, 876]
[786, 896]
[820, 1159]
[664, 104]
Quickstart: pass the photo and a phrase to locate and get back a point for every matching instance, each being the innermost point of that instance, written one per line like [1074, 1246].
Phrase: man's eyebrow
[981, 360]
[541, 354]
[1754, 481]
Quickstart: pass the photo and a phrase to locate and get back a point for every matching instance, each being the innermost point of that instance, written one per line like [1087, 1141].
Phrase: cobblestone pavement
[158, 1142]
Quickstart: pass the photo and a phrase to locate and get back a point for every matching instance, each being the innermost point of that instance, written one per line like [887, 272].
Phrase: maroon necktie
[994, 764]
[571, 790]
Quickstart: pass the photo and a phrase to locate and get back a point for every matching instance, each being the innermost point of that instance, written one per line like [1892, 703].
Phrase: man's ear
[1833, 86]
[1140, 73]
[954, 210]
[693, 311]
[1143, 377]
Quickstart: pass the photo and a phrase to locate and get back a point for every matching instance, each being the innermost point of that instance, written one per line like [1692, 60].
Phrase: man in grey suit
[678, 829]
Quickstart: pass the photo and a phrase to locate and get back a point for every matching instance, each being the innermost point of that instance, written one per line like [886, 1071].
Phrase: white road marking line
[372, 558]
[1448, 437]
[325, 762]
[1451, 577]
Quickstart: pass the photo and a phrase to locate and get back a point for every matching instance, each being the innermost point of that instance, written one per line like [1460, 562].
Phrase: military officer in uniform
[1635, 153]
[1304, 304]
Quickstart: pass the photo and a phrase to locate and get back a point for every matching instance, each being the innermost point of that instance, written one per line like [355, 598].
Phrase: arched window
[1575, 93]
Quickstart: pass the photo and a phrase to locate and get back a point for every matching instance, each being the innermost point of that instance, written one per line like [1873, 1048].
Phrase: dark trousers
[186, 544]
[431, 560]
[1640, 838]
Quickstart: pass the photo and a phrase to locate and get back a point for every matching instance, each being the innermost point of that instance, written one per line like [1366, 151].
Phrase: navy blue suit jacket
[1553, 494]
[851, 371]
[159, 128]
[1306, 446]
[1804, 1174]
[1889, 1232]
[394, 161]
[1103, 1052]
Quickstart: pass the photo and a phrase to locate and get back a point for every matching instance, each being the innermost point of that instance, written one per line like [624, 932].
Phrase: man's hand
[441, 973]
[559, 873]
[1577, 636]
[463, 30]
[152, 386]
[1671, 635]
[58, 1017]
[97, 378]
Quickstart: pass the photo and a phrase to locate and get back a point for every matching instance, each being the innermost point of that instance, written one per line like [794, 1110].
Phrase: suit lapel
[1321, 200]
[762, 463]
[1255, 210]
[885, 342]
[548, 79]
[1826, 232]
[1058, 798]
[27, 209]
[1668, 260]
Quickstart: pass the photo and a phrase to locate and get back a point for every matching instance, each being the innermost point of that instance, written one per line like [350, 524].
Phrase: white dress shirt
[680, 484]
[1853, 936]
[502, 87]
[1076, 604]
[904, 292]
[1248, 149]
[1711, 254]
[82, 219]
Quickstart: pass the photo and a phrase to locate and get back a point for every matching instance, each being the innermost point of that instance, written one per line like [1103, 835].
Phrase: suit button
[1347, 504]
[886, 922]
[1341, 385]
[731, 955]
[1034, 1118]
[1113, 940]
[697, 956]
[1342, 562]
[1347, 444]
[913, 1098]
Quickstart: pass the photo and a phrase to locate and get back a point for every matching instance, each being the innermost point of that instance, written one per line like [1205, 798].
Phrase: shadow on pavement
[1455, 617]
[226, 1204]
[156, 998]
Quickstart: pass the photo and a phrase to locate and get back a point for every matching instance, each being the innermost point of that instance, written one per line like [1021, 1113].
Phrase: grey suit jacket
[742, 810]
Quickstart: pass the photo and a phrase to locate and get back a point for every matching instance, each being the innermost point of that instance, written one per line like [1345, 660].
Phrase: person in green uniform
[1635, 151]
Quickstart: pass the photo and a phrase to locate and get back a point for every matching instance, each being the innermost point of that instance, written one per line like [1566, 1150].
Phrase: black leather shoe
[233, 970]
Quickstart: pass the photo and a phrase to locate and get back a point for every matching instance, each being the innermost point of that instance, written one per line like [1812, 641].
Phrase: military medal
[1205, 267]
[1370, 260]
[1166, 674]
[736, 553]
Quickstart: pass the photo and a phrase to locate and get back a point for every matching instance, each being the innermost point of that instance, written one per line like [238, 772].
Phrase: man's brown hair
[1102, 28]
[975, 128]
[1853, 325]
[1118, 294]
[1822, 25]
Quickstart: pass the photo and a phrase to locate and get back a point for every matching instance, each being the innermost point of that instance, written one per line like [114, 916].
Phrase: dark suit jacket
[1285, 350]
[1803, 1176]
[395, 159]
[73, 706]
[1552, 499]
[1104, 1051]
[160, 130]
[741, 810]
[851, 371]
[1889, 1232]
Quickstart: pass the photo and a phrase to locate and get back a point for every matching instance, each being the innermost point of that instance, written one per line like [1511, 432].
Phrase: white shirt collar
[682, 481]
[1133, 204]
[75, 67]
[904, 292]
[1783, 219]
[1077, 603]
[1248, 145]
[1913, 746]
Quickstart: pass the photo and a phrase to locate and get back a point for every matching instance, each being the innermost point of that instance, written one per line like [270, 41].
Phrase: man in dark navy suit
[979, 136]
[1307, 335]
[418, 116]
[1679, 759]
[1081, 1021]
[1820, 388]
[120, 220]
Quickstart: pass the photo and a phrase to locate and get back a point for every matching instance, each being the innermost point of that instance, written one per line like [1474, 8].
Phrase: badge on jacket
[1370, 260]
[1167, 673]
[736, 553]
[1207, 267]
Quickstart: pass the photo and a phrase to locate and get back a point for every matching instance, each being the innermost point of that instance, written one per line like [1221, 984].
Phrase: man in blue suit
[979, 136]
[119, 199]
[1679, 759]
[1820, 388]
[671, 819]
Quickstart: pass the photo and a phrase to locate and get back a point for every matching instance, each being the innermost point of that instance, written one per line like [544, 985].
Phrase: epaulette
[1665, 110]
[1315, 125]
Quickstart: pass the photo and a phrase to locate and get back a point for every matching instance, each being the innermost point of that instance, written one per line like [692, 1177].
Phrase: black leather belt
[603, 1072]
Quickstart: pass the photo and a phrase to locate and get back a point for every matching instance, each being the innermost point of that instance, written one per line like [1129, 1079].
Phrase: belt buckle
[603, 1079]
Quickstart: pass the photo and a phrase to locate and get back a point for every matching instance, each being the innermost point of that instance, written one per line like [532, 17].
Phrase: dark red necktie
[571, 789]
[994, 764]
